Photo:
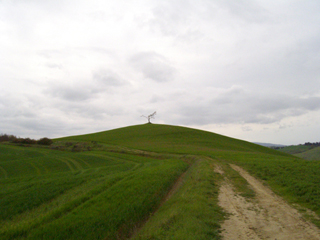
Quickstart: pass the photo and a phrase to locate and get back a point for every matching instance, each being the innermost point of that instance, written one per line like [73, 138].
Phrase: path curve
[266, 217]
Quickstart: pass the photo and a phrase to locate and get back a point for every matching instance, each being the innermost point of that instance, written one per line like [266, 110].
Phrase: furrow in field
[4, 172]
[63, 204]
[72, 169]
[75, 163]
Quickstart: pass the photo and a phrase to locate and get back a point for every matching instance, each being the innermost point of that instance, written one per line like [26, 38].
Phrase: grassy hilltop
[140, 182]
[174, 139]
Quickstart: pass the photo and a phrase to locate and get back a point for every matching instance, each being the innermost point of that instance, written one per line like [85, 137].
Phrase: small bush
[7, 138]
[14, 139]
[24, 141]
[69, 144]
[28, 141]
[45, 141]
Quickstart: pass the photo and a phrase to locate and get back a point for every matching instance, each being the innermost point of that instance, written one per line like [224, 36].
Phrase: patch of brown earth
[266, 217]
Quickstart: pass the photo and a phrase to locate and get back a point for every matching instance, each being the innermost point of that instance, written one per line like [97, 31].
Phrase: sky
[247, 69]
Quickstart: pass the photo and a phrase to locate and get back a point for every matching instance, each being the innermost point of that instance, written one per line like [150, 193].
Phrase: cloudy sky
[247, 69]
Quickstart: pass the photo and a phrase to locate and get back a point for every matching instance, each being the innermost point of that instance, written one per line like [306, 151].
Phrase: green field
[306, 152]
[140, 182]
[312, 154]
[295, 149]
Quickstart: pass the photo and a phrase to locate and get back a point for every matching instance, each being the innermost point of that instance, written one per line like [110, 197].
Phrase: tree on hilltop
[149, 116]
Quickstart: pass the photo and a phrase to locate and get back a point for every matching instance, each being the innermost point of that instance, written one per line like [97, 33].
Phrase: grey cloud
[187, 20]
[37, 127]
[102, 81]
[177, 19]
[240, 106]
[153, 66]
[41, 115]
[54, 65]
[247, 10]
[169, 16]
[92, 110]
[100, 50]
[22, 115]
[12, 106]
[50, 53]
[246, 129]
[74, 51]
[71, 92]
[199, 49]
[156, 99]
[108, 78]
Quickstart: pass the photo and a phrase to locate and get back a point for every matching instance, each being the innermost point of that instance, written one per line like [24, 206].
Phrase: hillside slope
[294, 149]
[307, 152]
[141, 182]
[174, 139]
[312, 154]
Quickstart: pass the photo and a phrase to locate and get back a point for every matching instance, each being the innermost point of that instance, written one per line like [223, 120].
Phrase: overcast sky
[248, 69]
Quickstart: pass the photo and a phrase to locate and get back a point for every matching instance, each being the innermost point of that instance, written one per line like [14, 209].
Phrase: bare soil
[267, 216]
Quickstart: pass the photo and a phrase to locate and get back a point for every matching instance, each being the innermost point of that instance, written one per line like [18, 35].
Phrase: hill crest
[169, 138]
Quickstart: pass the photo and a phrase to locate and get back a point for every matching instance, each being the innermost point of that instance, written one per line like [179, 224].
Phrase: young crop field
[141, 182]
[47, 194]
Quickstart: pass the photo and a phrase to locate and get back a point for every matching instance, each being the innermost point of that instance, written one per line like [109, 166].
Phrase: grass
[312, 154]
[112, 184]
[307, 152]
[294, 149]
[241, 185]
[126, 203]
[192, 213]
[71, 193]
[297, 180]
[169, 139]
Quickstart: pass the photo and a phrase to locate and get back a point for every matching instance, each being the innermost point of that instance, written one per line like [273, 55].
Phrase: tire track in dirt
[266, 217]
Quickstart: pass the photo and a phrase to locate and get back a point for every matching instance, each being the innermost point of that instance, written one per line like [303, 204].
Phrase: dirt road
[265, 217]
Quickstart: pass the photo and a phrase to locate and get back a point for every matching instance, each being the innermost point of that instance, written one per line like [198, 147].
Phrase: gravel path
[266, 217]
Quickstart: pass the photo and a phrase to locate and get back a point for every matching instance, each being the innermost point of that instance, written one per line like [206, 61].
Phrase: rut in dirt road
[266, 217]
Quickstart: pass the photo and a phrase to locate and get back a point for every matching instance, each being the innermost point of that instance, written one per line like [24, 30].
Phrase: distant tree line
[315, 144]
[14, 139]
[276, 147]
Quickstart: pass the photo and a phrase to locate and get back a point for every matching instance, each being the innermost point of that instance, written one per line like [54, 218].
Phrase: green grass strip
[192, 212]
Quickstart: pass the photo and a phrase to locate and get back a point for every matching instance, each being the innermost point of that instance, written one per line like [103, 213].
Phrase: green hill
[146, 181]
[311, 154]
[307, 152]
[295, 149]
[174, 139]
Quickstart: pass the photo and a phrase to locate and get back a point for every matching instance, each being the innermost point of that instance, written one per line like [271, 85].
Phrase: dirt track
[265, 217]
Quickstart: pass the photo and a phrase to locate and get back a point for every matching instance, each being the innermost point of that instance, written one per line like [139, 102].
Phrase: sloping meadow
[49, 194]
[143, 182]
